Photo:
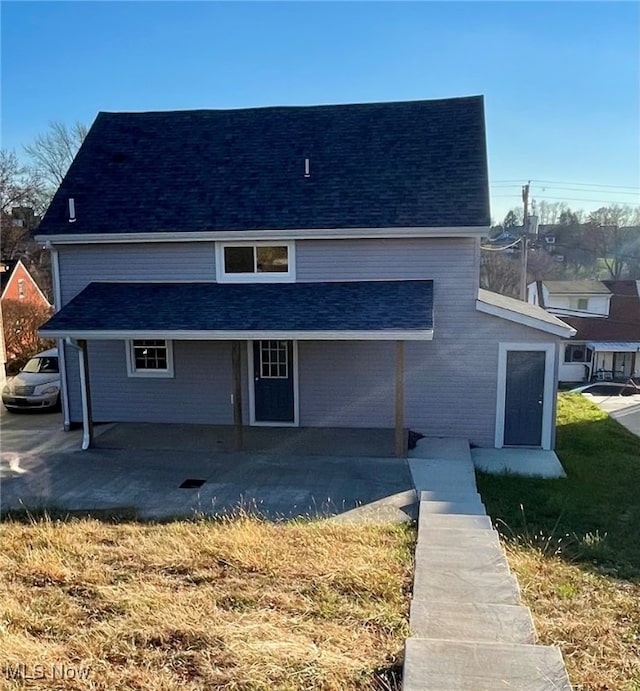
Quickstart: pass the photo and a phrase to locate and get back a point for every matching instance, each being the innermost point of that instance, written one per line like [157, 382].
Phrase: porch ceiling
[362, 310]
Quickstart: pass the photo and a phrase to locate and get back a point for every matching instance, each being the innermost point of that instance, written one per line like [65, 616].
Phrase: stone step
[446, 448]
[458, 537]
[472, 622]
[475, 666]
[434, 475]
[452, 520]
[449, 507]
[455, 585]
[488, 560]
[459, 495]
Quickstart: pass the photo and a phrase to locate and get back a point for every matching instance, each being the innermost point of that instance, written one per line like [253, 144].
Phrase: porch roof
[615, 346]
[363, 310]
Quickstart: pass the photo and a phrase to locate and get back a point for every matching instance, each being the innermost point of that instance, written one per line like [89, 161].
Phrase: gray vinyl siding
[450, 382]
[169, 261]
[199, 391]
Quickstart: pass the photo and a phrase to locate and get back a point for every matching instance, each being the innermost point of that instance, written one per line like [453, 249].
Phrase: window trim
[132, 371]
[288, 276]
[569, 350]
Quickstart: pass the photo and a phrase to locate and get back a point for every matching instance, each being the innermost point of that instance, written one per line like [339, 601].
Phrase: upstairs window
[21, 293]
[255, 262]
[149, 358]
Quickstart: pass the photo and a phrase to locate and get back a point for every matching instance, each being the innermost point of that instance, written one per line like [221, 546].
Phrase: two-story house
[606, 317]
[293, 266]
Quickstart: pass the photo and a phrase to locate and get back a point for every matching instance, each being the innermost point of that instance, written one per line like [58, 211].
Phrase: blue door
[273, 381]
[524, 398]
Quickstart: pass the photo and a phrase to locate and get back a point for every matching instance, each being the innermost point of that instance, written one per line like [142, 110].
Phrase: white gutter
[271, 234]
[62, 362]
[390, 335]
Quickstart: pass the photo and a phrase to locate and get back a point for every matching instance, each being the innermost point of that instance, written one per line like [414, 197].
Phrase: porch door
[524, 398]
[273, 381]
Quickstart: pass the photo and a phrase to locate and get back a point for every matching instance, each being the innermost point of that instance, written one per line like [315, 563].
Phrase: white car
[37, 384]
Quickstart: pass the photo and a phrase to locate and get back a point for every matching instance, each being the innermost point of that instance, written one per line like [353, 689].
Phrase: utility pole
[524, 242]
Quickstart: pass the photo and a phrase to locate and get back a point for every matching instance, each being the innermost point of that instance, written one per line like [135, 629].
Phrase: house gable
[18, 284]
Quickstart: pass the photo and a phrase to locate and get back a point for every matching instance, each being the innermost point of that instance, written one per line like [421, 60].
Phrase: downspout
[62, 362]
[85, 392]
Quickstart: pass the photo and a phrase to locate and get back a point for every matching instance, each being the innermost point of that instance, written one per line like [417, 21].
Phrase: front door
[524, 398]
[273, 375]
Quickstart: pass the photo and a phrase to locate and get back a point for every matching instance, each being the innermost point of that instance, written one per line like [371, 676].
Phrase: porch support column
[85, 393]
[236, 397]
[400, 448]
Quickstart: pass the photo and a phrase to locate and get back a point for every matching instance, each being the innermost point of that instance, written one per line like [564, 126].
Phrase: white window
[244, 262]
[21, 288]
[149, 358]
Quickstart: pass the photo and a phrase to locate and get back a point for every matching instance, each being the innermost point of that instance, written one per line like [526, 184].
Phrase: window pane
[238, 260]
[272, 259]
[150, 355]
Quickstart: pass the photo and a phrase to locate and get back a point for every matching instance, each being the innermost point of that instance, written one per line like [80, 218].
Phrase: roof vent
[307, 168]
[72, 210]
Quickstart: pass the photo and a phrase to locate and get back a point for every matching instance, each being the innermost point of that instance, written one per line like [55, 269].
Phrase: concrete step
[487, 560]
[458, 537]
[452, 520]
[448, 507]
[434, 475]
[458, 495]
[455, 585]
[473, 666]
[472, 622]
[446, 448]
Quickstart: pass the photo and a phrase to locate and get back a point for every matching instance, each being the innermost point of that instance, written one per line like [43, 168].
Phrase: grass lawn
[574, 545]
[233, 604]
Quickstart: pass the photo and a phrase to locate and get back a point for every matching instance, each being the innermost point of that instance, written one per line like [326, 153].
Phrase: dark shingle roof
[417, 163]
[623, 322]
[353, 306]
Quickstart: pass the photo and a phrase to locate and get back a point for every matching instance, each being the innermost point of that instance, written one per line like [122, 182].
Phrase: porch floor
[288, 441]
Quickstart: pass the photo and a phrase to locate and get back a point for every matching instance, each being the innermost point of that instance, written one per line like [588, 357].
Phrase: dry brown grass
[594, 618]
[237, 604]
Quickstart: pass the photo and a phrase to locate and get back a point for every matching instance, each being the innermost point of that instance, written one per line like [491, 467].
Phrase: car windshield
[42, 365]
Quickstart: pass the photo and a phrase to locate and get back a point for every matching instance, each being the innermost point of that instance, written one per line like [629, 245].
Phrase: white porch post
[85, 392]
[400, 449]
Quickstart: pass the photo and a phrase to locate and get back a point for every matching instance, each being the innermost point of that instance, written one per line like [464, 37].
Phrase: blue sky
[560, 80]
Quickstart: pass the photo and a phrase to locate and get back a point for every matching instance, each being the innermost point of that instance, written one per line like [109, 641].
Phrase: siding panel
[200, 391]
[180, 261]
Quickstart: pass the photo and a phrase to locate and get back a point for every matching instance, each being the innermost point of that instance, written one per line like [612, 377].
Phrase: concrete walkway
[623, 409]
[469, 630]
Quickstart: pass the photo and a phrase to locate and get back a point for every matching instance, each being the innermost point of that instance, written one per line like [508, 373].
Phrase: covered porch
[614, 360]
[259, 331]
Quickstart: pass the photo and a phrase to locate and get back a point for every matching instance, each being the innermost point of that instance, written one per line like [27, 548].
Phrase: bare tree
[500, 273]
[52, 153]
[21, 321]
[22, 199]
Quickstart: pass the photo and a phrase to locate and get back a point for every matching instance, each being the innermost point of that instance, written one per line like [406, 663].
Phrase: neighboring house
[293, 266]
[16, 283]
[21, 300]
[606, 316]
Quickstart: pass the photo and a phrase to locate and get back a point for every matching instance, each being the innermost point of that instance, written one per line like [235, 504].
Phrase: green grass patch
[594, 514]
[574, 545]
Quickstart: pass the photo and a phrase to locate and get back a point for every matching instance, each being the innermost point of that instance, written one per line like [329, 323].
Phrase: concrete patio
[138, 469]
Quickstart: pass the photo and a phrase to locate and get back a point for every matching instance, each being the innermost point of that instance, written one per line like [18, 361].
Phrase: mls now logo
[22, 671]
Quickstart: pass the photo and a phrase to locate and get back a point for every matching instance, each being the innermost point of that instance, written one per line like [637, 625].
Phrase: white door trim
[548, 404]
[252, 396]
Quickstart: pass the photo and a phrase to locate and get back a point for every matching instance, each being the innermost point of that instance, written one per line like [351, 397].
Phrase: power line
[589, 184]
